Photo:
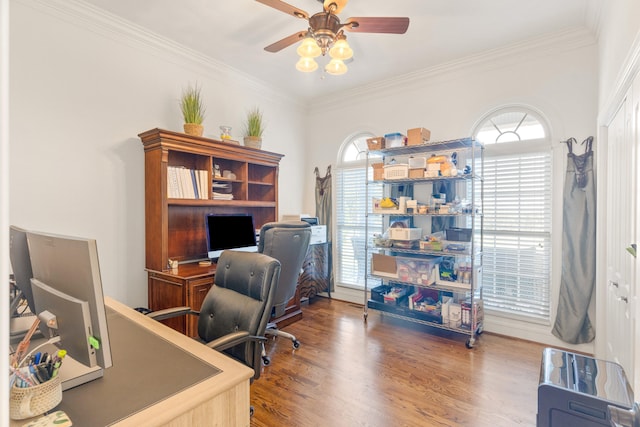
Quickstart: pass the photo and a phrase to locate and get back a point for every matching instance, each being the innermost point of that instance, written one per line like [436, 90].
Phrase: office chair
[236, 310]
[286, 241]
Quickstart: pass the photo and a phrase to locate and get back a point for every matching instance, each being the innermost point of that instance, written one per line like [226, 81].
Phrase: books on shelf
[222, 190]
[222, 196]
[183, 183]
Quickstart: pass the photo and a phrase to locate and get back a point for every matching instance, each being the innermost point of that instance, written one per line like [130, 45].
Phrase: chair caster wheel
[266, 361]
[296, 344]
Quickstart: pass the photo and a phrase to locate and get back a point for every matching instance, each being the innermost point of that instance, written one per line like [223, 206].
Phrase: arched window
[351, 207]
[516, 272]
[355, 148]
[510, 125]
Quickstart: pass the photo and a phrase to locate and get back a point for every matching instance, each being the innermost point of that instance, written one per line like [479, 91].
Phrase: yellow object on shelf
[388, 202]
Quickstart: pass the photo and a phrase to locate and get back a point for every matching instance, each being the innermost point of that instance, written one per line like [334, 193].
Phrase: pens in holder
[24, 344]
[57, 361]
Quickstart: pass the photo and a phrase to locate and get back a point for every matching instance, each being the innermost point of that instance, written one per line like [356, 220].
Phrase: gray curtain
[576, 303]
[323, 212]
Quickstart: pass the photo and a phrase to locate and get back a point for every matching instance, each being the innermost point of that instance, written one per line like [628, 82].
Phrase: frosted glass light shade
[306, 65]
[309, 48]
[336, 67]
[341, 50]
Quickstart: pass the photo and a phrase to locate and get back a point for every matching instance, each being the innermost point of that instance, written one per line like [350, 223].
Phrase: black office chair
[287, 242]
[236, 310]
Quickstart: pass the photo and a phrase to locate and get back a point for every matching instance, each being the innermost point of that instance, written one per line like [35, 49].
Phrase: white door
[621, 200]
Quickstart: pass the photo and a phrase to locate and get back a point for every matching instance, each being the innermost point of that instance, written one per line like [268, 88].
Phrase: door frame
[629, 77]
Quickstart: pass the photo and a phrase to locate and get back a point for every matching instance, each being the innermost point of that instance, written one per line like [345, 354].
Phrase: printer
[580, 391]
[318, 232]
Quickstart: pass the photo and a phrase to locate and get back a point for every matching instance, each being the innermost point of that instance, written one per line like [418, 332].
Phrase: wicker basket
[396, 171]
[33, 401]
[376, 143]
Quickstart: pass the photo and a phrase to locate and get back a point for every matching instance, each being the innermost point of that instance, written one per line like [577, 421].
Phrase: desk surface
[208, 386]
[190, 270]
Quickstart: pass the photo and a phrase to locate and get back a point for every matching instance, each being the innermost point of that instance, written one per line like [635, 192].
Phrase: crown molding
[629, 71]
[594, 17]
[549, 44]
[97, 20]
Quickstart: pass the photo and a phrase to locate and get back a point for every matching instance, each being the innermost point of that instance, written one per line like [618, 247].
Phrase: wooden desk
[221, 398]
[185, 286]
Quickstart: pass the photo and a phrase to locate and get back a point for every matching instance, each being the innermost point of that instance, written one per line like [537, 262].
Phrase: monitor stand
[72, 372]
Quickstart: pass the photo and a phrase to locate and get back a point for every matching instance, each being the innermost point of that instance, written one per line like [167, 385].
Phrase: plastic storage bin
[405, 233]
[459, 234]
[392, 140]
[420, 271]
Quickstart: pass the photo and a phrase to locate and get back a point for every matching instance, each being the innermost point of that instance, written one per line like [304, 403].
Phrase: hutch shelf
[187, 177]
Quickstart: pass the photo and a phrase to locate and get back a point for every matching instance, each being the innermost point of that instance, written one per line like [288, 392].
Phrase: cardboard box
[378, 171]
[418, 136]
[384, 265]
[416, 173]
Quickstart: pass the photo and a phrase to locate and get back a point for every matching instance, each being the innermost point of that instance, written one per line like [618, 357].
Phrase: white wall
[619, 65]
[4, 195]
[556, 75]
[83, 86]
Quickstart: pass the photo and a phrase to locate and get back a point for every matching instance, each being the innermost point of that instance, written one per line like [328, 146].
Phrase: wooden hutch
[175, 226]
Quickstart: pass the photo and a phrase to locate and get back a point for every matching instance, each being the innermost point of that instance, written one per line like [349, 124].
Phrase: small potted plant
[254, 127]
[192, 110]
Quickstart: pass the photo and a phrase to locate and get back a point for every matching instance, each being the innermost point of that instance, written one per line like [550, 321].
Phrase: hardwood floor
[384, 372]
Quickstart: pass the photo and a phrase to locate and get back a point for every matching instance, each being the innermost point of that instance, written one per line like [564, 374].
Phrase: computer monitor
[21, 267]
[234, 231]
[66, 273]
[72, 318]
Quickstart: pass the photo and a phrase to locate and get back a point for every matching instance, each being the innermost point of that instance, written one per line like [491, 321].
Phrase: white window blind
[516, 272]
[351, 206]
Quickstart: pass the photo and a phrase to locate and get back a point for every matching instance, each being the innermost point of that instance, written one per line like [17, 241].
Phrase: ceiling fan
[326, 29]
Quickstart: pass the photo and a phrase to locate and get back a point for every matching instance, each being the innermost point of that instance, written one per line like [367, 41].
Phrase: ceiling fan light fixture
[336, 67]
[306, 65]
[335, 6]
[341, 50]
[309, 48]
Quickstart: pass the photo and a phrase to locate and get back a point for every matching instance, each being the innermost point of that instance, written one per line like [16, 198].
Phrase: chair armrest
[233, 339]
[169, 313]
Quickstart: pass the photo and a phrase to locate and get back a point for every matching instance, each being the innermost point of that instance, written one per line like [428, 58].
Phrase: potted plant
[192, 110]
[254, 127]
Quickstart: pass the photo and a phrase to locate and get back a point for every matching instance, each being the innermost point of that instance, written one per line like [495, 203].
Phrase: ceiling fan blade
[285, 42]
[377, 25]
[286, 8]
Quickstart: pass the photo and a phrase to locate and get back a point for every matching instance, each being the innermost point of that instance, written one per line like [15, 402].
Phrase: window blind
[516, 272]
[351, 208]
